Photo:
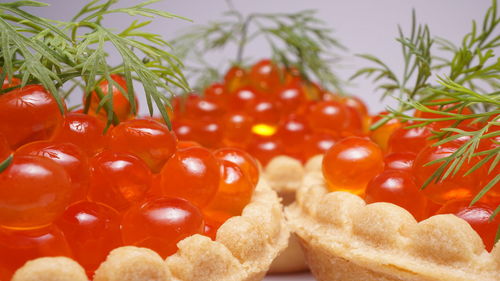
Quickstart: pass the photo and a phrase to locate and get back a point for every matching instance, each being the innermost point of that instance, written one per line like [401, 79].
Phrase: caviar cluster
[392, 166]
[68, 188]
[268, 111]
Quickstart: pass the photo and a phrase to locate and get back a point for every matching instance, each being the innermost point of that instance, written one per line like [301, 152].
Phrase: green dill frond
[297, 39]
[468, 79]
[75, 53]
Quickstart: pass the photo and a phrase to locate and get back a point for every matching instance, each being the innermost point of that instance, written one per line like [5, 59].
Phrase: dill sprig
[297, 40]
[417, 57]
[75, 53]
[469, 79]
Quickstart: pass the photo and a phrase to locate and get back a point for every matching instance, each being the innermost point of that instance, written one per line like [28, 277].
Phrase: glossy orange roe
[478, 216]
[382, 134]
[456, 186]
[160, 223]
[265, 148]
[318, 143]
[265, 111]
[85, 131]
[401, 161]
[237, 129]
[293, 131]
[92, 230]
[444, 106]
[216, 93]
[410, 140]
[244, 98]
[147, 139]
[234, 193]
[351, 163]
[118, 179]
[5, 150]
[72, 158]
[28, 114]
[193, 174]
[19, 246]
[329, 116]
[264, 75]
[290, 97]
[210, 133]
[33, 192]
[397, 187]
[241, 158]
[121, 105]
[235, 78]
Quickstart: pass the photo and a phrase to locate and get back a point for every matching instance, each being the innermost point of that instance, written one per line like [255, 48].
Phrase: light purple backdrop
[364, 26]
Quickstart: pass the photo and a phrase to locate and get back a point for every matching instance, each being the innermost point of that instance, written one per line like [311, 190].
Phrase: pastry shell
[244, 248]
[285, 175]
[346, 239]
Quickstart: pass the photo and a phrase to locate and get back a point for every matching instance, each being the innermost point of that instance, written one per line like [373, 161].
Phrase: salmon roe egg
[290, 97]
[186, 144]
[382, 134]
[401, 161]
[33, 192]
[409, 140]
[235, 78]
[118, 179]
[121, 105]
[329, 116]
[92, 230]
[193, 174]
[265, 148]
[237, 129]
[211, 227]
[444, 105]
[159, 224]
[12, 83]
[318, 143]
[351, 163]
[216, 93]
[292, 132]
[19, 246]
[244, 98]
[265, 111]
[234, 193]
[399, 188]
[457, 186]
[28, 114]
[359, 114]
[210, 133]
[5, 150]
[185, 129]
[85, 131]
[198, 107]
[241, 158]
[72, 158]
[147, 139]
[478, 216]
[264, 75]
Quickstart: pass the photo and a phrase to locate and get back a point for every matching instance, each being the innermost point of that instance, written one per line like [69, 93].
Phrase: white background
[364, 26]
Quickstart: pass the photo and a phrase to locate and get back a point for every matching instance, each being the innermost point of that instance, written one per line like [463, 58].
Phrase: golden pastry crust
[51, 269]
[285, 175]
[132, 263]
[244, 249]
[291, 259]
[346, 239]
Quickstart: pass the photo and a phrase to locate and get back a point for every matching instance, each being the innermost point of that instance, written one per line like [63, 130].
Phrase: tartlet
[243, 250]
[285, 176]
[346, 239]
